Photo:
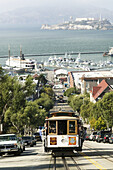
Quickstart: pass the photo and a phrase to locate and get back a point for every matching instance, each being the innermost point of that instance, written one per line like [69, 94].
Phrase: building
[85, 80]
[99, 91]
[60, 75]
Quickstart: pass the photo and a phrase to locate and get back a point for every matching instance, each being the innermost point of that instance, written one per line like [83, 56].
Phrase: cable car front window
[62, 127]
[71, 126]
[52, 126]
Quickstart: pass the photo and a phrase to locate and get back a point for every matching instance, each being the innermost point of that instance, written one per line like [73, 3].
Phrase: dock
[52, 54]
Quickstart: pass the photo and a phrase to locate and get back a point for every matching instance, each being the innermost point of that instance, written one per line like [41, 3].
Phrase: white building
[85, 80]
[84, 19]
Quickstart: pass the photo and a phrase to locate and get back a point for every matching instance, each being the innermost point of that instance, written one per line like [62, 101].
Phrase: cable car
[62, 132]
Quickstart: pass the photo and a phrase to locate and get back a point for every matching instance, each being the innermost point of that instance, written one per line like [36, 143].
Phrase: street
[94, 156]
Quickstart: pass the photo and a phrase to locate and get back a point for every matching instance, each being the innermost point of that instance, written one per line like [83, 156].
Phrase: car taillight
[104, 137]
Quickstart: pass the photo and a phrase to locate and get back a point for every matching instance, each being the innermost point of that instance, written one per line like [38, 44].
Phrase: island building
[81, 24]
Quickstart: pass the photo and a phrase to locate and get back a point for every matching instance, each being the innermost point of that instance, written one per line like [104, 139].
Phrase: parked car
[10, 144]
[100, 135]
[28, 140]
[111, 138]
[87, 136]
[34, 140]
[92, 136]
[106, 137]
[37, 136]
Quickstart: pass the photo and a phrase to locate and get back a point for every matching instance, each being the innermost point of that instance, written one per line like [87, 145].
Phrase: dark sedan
[37, 136]
[111, 138]
[28, 140]
[106, 138]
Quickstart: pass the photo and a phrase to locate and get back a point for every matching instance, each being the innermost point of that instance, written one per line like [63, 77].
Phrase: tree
[15, 119]
[86, 110]
[77, 101]
[49, 91]
[92, 123]
[13, 99]
[6, 94]
[100, 124]
[42, 80]
[15, 111]
[107, 108]
[29, 87]
[34, 116]
[45, 101]
[71, 91]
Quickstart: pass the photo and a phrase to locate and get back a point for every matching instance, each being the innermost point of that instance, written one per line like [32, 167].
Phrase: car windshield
[94, 133]
[36, 133]
[7, 138]
[107, 134]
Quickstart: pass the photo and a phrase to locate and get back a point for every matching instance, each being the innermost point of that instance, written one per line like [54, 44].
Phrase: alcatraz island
[81, 24]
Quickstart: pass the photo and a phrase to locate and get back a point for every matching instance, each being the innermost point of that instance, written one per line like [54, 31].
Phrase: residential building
[99, 91]
[85, 80]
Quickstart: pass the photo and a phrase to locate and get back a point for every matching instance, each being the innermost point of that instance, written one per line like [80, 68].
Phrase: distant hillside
[52, 15]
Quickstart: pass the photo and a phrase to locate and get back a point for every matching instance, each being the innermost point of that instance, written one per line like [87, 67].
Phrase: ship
[109, 53]
[20, 64]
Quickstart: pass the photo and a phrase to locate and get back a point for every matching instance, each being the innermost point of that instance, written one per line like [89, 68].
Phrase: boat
[78, 59]
[20, 63]
[110, 53]
[13, 69]
[105, 54]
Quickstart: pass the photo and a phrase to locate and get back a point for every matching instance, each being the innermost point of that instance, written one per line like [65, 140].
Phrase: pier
[52, 54]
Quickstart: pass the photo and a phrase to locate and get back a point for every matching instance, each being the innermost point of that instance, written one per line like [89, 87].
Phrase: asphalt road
[94, 156]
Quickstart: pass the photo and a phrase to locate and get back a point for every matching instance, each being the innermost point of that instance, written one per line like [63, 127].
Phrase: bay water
[36, 41]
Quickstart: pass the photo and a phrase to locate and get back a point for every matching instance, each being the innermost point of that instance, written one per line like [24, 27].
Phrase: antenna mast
[9, 54]
[100, 21]
[20, 52]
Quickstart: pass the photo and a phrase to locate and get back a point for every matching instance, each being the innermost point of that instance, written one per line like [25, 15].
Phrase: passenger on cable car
[52, 127]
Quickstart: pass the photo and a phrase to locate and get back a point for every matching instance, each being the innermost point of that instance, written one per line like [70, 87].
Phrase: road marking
[92, 161]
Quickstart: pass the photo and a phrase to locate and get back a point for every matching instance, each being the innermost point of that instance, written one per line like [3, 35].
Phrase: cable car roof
[62, 115]
[63, 118]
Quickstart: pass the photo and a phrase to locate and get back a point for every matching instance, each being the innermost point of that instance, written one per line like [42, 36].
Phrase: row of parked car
[11, 144]
[100, 136]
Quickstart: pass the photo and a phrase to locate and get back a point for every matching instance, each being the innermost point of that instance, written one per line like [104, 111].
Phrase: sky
[6, 5]
[52, 11]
